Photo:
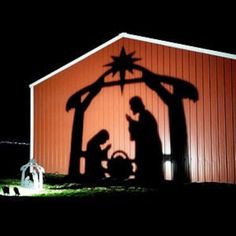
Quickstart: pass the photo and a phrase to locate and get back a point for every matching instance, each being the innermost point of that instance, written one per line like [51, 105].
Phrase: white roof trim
[180, 46]
[140, 38]
[78, 59]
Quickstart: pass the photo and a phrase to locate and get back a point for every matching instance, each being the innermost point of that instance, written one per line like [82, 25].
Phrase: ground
[58, 188]
[110, 203]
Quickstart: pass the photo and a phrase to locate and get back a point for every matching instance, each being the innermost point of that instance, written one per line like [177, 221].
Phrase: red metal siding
[229, 119]
[206, 97]
[211, 121]
[234, 115]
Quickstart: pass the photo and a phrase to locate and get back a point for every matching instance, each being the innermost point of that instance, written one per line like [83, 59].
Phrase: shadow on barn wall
[146, 157]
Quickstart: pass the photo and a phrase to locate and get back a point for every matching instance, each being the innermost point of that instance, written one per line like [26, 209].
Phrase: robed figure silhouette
[177, 121]
[148, 147]
[95, 155]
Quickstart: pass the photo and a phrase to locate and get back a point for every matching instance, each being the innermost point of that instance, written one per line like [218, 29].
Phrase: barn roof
[139, 38]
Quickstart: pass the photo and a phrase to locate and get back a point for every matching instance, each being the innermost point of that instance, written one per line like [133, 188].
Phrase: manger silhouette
[145, 153]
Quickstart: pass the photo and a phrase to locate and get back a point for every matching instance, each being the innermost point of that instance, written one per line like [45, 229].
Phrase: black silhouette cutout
[16, 191]
[120, 166]
[148, 147]
[122, 63]
[6, 190]
[177, 121]
[95, 155]
[77, 131]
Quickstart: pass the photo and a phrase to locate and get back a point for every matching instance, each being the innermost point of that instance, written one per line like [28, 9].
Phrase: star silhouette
[122, 63]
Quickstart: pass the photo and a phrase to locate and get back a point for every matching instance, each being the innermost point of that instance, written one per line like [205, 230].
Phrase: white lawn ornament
[34, 177]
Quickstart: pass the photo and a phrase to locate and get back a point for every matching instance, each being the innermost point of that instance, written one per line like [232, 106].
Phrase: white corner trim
[31, 123]
[139, 38]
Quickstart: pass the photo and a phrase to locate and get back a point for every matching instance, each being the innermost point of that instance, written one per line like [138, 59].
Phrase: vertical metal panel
[161, 107]
[186, 76]
[165, 121]
[199, 118]
[221, 118]
[214, 119]
[234, 114]
[229, 106]
[211, 121]
[192, 129]
[206, 97]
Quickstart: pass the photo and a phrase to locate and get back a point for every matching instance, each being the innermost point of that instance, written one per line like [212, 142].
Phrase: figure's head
[136, 104]
[103, 136]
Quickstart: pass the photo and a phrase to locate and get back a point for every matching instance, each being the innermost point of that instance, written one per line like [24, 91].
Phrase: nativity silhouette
[149, 156]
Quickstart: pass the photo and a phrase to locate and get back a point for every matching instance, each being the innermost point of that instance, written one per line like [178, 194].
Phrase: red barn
[59, 133]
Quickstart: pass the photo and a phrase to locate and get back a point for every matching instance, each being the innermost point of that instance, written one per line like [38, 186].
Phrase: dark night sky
[36, 40]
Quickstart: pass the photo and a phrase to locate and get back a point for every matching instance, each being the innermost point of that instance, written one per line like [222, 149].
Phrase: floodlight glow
[168, 170]
[22, 192]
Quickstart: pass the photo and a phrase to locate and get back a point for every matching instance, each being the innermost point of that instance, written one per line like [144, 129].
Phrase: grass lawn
[60, 194]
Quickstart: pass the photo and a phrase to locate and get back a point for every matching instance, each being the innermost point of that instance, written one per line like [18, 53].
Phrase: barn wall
[211, 121]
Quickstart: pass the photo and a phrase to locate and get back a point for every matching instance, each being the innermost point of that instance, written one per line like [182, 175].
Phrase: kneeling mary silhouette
[95, 155]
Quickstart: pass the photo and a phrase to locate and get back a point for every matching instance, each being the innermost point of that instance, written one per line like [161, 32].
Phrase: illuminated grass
[68, 189]
[62, 188]
[51, 191]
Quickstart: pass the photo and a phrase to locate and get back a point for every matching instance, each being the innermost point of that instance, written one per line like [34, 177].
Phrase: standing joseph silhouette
[177, 121]
[148, 147]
